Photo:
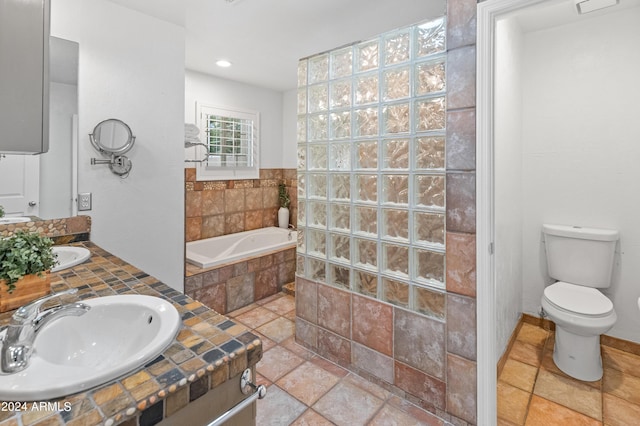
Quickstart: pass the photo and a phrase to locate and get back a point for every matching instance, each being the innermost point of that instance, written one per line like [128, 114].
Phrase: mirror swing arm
[116, 141]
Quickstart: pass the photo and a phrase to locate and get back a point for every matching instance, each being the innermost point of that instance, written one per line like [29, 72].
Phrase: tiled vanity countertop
[208, 350]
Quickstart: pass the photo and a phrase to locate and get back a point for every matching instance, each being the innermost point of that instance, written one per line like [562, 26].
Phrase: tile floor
[533, 391]
[306, 389]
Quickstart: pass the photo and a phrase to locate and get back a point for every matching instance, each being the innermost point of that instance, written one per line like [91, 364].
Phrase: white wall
[132, 68]
[508, 180]
[221, 92]
[289, 129]
[581, 134]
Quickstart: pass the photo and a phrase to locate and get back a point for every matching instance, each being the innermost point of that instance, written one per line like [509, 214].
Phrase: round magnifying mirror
[112, 136]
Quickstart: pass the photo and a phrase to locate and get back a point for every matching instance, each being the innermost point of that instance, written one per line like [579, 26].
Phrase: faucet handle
[30, 310]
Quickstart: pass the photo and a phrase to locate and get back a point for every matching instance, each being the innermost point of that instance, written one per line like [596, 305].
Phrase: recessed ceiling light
[223, 63]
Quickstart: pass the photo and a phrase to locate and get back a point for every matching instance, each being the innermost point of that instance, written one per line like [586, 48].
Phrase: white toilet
[581, 260]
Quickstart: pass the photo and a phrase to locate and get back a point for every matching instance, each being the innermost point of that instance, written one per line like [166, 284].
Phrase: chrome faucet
[26, 322]
[291, 229]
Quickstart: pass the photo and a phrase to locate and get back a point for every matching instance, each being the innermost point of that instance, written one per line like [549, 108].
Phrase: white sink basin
[17, 219]
[68, 256]
[73, 354]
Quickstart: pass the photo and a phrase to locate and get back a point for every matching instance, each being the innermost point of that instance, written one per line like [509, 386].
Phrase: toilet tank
[581, 256]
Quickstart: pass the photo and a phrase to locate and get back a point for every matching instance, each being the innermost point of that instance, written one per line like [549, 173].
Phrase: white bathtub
[242, 245]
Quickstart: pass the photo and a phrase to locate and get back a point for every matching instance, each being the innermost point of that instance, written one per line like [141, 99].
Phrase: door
[20, 184]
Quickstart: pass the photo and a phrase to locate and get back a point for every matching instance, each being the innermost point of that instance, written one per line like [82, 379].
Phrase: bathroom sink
[68, 256]
[17, 219]
[73, 354]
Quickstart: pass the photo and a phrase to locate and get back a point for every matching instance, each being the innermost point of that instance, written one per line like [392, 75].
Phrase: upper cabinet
[24, 76]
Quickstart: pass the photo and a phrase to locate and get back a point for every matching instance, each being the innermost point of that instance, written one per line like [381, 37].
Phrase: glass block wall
[371, 165]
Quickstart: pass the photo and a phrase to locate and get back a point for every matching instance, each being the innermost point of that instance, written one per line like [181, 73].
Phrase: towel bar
[245, 386]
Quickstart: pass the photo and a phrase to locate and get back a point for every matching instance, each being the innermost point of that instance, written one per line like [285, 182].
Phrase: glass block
[340, 125]
[302, 186]
[430, 114]
[396, 118]
[340, 248]
[300, 261]
[302, 101]
[302, 129]
[317, 214]
[366, 122]
[430, 38]
[340, 217]
[396, 153]
[366, 89]
[340, 187]
[340, 156]
[396, 83]
[395, 292]
[316, 270]
[316, 243]
[395, 224]
[367, 188]
[302, 246]
[430, 153]
[397, 48]
[339, 276]
[318, 98]
[318, 127]
[429, 267]
[317, 186]
[430, 77]
[318, 69]
[365, 283]
[302, 157]
[429, 302]
[317, 157]
[429, 191]
[366, 253]
[368, 55]
[302, 72]
[302, 213]
[396, 259]
[395, 189]
[429, 228]
[366, 220]
[367, 155]
[340, 94]
[341, 62]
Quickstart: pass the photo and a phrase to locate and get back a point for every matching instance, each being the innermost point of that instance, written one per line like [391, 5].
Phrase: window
[231, 138]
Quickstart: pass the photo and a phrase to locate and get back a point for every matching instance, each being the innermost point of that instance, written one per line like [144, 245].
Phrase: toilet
[581, 260]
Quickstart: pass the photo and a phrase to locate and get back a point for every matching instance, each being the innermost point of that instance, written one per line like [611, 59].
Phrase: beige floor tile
[618, 412]
[297, 349]
[512, 403]
[527, 353]
[278, 408]
[545, 413]
[366, 385]
[621, 361]
[256, 317]
[571, 393]
[360, 408]
[533, 335]
[311, 418]
[277, 362]
[281, 305]
[389, 415]
[621, 385]
[308, 383]
[278, 330]
[519, 374]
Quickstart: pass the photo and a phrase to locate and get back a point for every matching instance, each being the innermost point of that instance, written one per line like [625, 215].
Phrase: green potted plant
[1, 211]
[285, 201]
[25, 261]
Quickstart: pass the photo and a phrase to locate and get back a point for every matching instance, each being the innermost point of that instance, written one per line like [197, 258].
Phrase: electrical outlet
[84, 201]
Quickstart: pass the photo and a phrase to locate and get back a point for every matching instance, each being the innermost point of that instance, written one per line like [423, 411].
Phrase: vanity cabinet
[24, 76]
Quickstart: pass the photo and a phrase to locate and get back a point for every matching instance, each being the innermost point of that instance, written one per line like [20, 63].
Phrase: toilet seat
[577, 299]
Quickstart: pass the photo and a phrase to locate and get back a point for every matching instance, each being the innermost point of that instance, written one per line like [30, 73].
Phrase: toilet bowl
[581, 315]
[581, 260]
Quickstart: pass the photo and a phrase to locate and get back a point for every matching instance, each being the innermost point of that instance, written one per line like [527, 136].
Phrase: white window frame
[207, 171]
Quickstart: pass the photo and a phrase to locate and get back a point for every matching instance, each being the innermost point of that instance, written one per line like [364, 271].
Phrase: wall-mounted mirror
[45, 185]
[112, 137]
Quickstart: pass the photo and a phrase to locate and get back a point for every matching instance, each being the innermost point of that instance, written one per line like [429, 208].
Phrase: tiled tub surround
[208, 351]
[438, 372]
[62, 231]
[234, 285]
[214, 208]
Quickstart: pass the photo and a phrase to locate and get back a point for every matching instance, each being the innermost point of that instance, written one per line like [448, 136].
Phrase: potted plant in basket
[285, 201]
[25, 261]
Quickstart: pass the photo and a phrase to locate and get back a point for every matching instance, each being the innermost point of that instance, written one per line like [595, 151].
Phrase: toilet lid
[578, 299]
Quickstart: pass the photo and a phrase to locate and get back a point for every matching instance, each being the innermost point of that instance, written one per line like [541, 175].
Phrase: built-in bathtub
[235, 270]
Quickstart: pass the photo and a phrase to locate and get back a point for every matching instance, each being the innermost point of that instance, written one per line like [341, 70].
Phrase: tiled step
[289, 289]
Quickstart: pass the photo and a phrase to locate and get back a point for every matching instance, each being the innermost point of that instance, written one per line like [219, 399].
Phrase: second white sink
[68, 256]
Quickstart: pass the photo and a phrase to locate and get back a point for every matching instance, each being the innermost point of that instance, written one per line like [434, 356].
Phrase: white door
[20, 185]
